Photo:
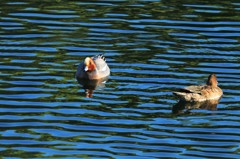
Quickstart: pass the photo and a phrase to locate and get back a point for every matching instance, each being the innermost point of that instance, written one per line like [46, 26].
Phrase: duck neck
[212, 81]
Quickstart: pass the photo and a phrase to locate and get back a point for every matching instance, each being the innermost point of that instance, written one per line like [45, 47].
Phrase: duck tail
[101, 56]
[181, 95]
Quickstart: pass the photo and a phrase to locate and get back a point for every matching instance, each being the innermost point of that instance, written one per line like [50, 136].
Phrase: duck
[200, 93]
[93, 68]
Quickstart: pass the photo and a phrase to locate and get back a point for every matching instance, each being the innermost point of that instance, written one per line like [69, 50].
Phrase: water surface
[152, 47]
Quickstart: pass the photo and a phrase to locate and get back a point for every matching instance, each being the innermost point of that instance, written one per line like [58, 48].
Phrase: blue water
[152, 48]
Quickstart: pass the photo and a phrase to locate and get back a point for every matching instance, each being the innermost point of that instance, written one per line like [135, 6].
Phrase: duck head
[212, 80]
[89, 65]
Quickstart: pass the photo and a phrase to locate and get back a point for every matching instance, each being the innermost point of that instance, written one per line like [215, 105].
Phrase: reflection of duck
[210, 91]
[90, 85]
[181, 105]
[93, 68]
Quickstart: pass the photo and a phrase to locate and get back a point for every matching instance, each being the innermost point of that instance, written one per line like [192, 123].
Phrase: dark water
[152, 47]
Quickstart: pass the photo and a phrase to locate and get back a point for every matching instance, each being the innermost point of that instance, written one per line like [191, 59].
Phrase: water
[152, 47]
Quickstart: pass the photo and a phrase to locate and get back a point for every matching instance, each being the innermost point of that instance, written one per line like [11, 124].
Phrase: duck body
[209, 91]
[93, 68]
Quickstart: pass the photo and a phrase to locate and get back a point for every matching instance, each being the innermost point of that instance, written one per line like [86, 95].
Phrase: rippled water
[152, 47]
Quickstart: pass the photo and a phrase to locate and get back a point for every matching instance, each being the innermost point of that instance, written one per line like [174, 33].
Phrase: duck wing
[193, 89]
[101, 65]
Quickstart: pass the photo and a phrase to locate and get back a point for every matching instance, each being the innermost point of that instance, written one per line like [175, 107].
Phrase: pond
[153, 47]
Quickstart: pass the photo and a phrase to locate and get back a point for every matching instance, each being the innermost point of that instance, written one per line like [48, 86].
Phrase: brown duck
[209, 91]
